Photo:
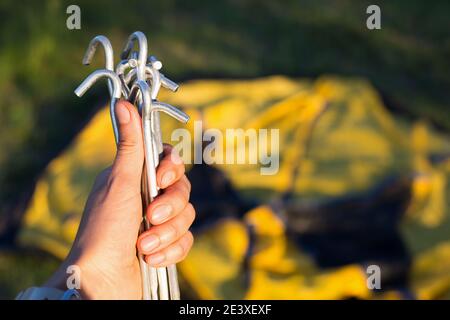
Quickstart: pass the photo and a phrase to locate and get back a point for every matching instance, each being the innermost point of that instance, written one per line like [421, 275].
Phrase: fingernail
[122, 114]
[156, 259]
[167, 178]
[149, 243]
[161, 213]
[168, 236]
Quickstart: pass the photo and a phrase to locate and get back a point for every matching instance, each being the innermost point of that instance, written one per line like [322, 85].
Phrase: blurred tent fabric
[355, 187]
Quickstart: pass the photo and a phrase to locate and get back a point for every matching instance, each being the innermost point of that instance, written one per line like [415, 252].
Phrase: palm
[112, 245]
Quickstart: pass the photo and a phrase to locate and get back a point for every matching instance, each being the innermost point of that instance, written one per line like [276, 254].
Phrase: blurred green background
[408, 61]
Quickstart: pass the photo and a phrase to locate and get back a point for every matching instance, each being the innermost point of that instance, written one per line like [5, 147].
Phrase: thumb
[130, 152]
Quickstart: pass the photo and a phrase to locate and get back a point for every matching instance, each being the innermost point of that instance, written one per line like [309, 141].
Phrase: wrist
[73, 273]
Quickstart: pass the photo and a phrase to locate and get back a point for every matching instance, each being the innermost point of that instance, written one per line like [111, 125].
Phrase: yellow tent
[346, 166]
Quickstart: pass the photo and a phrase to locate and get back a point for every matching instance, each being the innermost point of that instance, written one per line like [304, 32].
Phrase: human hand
[107, 238]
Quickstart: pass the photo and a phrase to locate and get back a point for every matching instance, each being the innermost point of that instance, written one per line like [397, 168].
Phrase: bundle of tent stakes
[137, 78]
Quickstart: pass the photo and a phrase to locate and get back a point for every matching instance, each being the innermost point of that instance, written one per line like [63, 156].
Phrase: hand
[106, 241]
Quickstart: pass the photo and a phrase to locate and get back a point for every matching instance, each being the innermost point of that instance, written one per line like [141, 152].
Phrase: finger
[173, 253]
[170, 169]
[160, 237]
[130, 154]
[170, 203]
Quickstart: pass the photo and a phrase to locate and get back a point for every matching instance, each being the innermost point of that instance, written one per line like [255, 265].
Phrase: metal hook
[141, 91]
[154, 63]
[142, 56]
[115, 96]
[165, 82]
[170, 110]
[109, 55]
[153, 69]
[120, 71]
[157, 79]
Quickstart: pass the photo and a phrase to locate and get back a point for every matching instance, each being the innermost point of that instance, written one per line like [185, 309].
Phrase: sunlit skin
[106, 241]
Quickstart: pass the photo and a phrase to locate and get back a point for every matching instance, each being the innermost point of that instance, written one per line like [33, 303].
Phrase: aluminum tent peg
[109, 55]
[139, 37]
[116, 92]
